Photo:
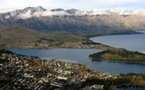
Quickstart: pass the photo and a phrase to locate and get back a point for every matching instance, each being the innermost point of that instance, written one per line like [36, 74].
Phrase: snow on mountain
[139, 11]
[29, 12]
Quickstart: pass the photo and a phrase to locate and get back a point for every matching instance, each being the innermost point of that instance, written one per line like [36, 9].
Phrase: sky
[67, 4]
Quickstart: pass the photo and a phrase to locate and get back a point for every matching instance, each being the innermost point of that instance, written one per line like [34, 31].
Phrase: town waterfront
[81, 56]
[132, 42]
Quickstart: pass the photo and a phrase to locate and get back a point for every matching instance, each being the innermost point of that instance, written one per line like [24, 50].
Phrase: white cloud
[109, 3]
[83, 4]
[89, 4]
[121, 1]
[26, 3]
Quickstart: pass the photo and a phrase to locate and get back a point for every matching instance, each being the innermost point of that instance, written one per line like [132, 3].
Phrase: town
[21, 72]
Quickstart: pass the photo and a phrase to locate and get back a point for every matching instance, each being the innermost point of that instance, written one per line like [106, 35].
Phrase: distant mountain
[40, 11]
[82, 22]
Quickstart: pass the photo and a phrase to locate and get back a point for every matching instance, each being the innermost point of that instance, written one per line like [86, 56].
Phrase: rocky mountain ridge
[82, 22]
[29, 12]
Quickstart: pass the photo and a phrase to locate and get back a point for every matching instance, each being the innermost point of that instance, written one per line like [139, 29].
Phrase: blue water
[81, 56]
[134, 42]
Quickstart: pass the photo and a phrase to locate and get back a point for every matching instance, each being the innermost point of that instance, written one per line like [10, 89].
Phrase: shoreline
[25, 71]
[87, 41]
[125, 62]
[126, 33]
[137, 63]
[89, 44]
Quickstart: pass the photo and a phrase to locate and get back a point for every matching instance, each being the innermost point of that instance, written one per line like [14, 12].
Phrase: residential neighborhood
[26, 72]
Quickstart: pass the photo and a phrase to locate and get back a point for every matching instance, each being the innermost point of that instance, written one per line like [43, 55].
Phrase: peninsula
[119, 55]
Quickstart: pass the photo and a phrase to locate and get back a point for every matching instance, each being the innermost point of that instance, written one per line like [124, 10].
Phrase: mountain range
[81, 22]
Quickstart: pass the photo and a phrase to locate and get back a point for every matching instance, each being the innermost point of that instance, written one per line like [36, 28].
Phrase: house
[59, 81]
[94, 87]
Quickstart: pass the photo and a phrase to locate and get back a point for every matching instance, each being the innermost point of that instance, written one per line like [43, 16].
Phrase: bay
[135, 42]
[81, 56]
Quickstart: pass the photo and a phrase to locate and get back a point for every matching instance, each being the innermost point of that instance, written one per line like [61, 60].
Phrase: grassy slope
[24, 36]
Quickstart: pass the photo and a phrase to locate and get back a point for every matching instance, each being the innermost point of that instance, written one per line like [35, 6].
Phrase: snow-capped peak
[34, 9]
[29, 12]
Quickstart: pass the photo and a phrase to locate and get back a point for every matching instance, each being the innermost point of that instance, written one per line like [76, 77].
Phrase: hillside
[23, 37]
[119, 55]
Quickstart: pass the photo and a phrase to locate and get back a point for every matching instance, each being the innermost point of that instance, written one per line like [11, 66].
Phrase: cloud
[82, 4]
[26, 3]
[119, 2]
[90, 4]
[107, 3]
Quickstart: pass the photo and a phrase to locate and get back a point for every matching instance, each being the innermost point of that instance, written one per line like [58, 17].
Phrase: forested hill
[119, 55]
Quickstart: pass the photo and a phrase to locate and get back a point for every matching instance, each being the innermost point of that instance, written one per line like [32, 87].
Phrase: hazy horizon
[67, 4]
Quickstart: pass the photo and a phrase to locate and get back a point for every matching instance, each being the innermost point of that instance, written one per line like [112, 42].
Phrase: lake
[81, 56]
[134, 42]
